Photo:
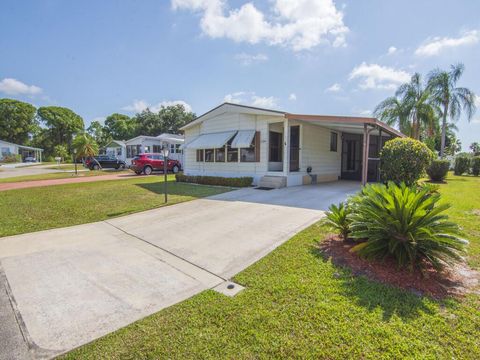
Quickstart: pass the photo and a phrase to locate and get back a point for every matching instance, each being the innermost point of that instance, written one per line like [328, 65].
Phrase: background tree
[85, 145]
[169, 119]
[410, 109]
[62, 124]
[61, 151]
[475, 147]
[394, 112]
[99, 133]
[452, 99]
[17, 120]
[119, 127]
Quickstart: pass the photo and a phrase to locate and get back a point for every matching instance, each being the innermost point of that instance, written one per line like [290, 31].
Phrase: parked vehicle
[149, 162]
[104, 161]
[30, 159]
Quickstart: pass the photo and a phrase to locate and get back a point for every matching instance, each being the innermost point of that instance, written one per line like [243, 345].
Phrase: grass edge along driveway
[298, 305]
[42, 208]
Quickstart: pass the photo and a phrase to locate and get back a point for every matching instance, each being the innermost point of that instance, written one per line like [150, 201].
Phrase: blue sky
[306, 56]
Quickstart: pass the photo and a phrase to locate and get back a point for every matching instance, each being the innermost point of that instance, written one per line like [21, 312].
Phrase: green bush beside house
[215, 180]
[404, 160]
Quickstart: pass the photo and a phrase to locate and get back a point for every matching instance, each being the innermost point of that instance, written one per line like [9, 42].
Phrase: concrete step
[275, 182]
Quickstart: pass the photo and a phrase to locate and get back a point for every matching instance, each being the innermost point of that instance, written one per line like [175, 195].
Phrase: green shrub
[404, 160]
[407, 223]
[215, 180]
[462, 165]
[337, 219]
[438, 170]
[476, 165]
[11, 158]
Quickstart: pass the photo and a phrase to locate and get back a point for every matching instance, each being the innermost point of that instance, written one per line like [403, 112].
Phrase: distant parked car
[147, 163]
[105, 161]
[30, 159]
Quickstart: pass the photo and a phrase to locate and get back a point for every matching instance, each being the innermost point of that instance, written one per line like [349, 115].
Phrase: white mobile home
[283, 149]
[154, 144]
[8, 148]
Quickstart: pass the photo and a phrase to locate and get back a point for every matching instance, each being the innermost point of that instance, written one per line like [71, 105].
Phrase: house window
[133, 150]
[276, 146]
[5, 151]
[157, 148]
[177, 148]
[172, 148]
[209, 155]
[333, 141]
[252, 153]
[146, 149]
[200, 155]
[119, 151]
[220, 155]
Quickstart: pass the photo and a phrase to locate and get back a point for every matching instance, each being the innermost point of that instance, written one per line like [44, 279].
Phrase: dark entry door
[352, 157]
[294, 148]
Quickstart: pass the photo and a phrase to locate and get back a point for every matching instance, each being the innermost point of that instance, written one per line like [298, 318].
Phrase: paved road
[69, 286]
[7, 171]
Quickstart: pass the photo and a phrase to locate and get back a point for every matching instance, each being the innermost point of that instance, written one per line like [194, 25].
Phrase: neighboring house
[116, 148]
[154, 144]
[8, 148]
[282, 149]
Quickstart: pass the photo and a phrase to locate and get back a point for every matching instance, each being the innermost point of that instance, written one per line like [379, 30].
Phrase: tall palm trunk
[444, 130]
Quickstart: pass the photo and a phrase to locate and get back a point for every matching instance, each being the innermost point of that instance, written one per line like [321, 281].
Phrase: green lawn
[298, 305]
[34, 209]
[60, 175]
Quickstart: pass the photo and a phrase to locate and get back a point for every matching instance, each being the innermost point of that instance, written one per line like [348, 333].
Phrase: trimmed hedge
[404, 160]
[438, 170]
[462, 165]
[215, 180]
[476, 165]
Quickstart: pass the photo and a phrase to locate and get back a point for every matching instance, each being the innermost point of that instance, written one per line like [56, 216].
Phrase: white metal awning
[243, 139]
[210, 141]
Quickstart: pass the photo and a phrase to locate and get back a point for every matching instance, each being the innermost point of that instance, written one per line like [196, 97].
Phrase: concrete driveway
[66, 287]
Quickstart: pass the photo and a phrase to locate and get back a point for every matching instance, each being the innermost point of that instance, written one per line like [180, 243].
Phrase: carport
[362, 140]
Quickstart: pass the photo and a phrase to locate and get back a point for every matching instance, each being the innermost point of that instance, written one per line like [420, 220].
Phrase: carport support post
[366, 143]
[286, 146]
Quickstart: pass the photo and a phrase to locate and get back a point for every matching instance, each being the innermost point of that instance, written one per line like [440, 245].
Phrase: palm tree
[410, 108]
[85, 146]
[393, 111]
[452, 99]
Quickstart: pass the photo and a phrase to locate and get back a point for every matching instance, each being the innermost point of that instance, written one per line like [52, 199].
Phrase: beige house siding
[316, 152]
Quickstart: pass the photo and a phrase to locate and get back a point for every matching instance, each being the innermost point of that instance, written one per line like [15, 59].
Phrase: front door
[294, 148]
[352, 157]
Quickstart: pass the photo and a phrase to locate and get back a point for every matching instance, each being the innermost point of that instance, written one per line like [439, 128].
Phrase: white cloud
[374, 76]
[250, 98]
[334, 88]
[392, 50]
[249, 59]
[300, 25]
[140, 105]
[11, 86]
[364, 112]
[292, 97]
[436, 45]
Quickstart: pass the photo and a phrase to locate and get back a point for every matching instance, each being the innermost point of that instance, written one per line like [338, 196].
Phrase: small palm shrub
[476, 165]
[406, 222]
[337, 218]
[438, 170]
[462, 165]
[404, 160]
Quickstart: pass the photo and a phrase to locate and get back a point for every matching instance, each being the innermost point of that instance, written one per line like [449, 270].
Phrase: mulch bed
[452, 282]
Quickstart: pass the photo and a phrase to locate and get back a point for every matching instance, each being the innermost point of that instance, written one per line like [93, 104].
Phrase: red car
[147, 163]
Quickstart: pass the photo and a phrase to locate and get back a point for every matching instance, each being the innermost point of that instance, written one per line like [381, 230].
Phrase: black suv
[105, 162]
